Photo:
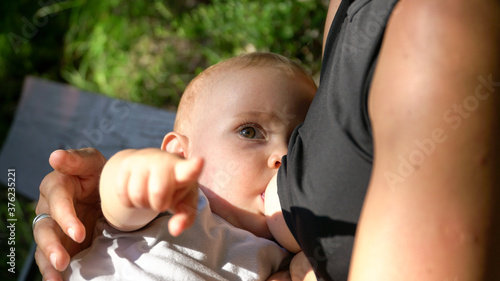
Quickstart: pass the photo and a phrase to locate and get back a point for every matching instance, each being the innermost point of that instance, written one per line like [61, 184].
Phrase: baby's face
[242, 131]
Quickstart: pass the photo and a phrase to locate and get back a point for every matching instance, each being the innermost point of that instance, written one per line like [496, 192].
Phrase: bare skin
[78, 172]
[439, 222]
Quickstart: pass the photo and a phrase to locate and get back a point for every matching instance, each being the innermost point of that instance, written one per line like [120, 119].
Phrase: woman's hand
[301, 269]
[70, 195]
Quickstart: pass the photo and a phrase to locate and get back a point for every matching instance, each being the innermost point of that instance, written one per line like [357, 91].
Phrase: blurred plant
[30, 44]
[148, 51]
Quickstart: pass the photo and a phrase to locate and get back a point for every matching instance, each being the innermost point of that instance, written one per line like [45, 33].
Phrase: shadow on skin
[330, 237]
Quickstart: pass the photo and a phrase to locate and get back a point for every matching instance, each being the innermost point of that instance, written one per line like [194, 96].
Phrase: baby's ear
[175, 143]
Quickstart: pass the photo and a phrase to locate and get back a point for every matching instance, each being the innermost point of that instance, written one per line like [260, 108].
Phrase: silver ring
[39, 218]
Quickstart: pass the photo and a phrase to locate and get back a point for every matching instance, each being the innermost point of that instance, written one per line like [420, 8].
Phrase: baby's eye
[250, 132]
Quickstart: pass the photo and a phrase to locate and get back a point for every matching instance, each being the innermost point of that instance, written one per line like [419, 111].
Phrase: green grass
[148, 53]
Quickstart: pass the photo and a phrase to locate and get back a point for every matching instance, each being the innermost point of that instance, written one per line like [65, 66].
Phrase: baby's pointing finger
[188, 170]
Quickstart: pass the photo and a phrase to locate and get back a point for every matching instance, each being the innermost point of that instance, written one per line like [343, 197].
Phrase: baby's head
[238, 116]
[201, 86]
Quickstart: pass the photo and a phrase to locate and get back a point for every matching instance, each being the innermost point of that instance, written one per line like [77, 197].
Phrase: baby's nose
[274, 161]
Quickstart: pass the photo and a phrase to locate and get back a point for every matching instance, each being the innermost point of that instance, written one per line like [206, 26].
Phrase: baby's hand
[152, 179]
[155, 179]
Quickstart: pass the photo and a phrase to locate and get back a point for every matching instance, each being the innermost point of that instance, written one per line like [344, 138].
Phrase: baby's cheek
[222, 179]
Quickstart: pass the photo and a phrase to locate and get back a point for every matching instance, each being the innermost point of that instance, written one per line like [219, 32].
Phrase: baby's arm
[136, 185]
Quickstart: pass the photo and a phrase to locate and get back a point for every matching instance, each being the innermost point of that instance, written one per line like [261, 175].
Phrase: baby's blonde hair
[202, 83]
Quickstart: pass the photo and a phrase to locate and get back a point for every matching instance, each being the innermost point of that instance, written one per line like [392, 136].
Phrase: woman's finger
[49, 245]
[84, 163]
[46, 269]
[58, 191]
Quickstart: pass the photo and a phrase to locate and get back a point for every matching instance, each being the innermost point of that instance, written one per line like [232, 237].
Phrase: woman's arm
[432, 208]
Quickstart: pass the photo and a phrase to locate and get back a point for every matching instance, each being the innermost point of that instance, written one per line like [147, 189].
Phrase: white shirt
[212, 249]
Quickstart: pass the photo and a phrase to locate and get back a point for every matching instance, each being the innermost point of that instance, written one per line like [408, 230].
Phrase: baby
[232, 127]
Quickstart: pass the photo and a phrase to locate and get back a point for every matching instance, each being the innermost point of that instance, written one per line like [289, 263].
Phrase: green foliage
[148, 51]
[232, 27]
[30, 44]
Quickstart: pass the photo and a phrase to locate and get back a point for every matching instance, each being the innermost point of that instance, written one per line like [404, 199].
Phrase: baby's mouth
[263, 195]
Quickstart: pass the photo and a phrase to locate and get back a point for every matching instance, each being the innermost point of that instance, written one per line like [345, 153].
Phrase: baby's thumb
[188, 170]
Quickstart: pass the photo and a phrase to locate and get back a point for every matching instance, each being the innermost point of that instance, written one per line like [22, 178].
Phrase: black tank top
[324, 178]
